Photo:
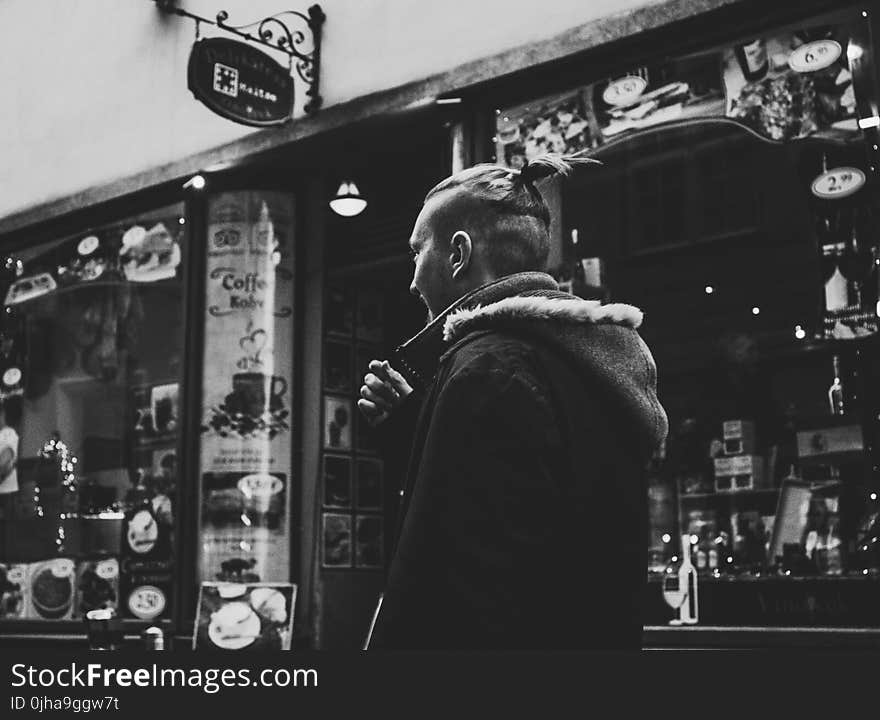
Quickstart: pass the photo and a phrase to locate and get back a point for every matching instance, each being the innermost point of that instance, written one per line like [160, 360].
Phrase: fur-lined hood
[601, 340]
[560, 307]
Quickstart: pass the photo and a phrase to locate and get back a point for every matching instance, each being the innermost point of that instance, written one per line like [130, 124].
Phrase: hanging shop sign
[240, 83]
[243, 84]
[839, 182]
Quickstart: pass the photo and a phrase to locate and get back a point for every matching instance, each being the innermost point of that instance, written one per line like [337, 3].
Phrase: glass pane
[246, 461]
[91, 347]
[735, 208]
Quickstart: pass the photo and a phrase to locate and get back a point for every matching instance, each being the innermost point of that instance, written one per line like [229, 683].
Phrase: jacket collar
[543, 306]
[417, 358]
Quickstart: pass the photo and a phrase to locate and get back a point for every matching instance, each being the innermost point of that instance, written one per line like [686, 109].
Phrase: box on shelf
[97, 585]
[740, 472]
[738, 437]
[838, 442]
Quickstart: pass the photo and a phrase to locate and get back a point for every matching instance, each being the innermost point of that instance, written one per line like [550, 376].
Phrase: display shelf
[165, 284]
[703, 496]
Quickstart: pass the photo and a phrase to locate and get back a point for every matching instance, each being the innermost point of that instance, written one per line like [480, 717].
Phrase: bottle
[752, 58]
[835, 390]
[153, 638]
[836, 283]
[104, 629]
[687, 578]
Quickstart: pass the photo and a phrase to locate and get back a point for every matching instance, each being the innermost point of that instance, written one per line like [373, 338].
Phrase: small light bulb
[873, 496]
[694, 539]
[799, 332]
[196, 182]
[666, 537]
[756, 310]
[181, 220]
[709, 289]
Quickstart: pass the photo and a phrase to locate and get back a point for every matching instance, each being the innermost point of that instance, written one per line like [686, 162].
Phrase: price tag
[625, 90]
[87, 245]
[839, 182]
[11, 377]
[146, 602]
[814, 56]
[62, 568]
[16, 574]
[107, 569]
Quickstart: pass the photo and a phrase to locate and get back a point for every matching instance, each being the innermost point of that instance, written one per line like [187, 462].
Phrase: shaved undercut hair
[503, 210]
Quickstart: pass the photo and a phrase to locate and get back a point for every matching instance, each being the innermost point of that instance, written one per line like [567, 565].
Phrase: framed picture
[337, 359]
[339, 309]
[338, 421]
[244, 616]
[369, 542]
[164, 408]
[370, 315]
[337, 481]
[335, 540]
[368, 494]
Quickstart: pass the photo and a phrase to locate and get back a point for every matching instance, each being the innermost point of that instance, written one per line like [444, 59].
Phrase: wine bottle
[687, 578]
[836, 283]
[835, 390]
[752, 59]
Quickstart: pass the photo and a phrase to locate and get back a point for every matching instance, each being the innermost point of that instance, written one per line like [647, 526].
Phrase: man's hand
[383, 390]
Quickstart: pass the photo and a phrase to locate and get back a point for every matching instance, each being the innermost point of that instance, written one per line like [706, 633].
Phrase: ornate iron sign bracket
[277, 32]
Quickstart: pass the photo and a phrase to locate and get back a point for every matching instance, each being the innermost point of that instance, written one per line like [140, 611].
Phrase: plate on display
[234, 626]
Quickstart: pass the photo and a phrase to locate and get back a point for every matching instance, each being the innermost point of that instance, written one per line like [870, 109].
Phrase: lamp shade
[348, 201]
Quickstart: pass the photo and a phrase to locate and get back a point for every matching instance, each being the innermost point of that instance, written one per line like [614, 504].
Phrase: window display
[737, 208]
[90, 361]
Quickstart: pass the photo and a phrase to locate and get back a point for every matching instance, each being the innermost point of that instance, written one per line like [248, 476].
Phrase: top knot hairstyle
[503, 209]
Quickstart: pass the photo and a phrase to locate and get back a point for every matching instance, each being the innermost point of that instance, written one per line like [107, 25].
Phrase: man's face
[432, 274]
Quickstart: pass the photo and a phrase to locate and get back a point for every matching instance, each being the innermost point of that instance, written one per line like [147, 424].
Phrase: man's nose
[413, 289]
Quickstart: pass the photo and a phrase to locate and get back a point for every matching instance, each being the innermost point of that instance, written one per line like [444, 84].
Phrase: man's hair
[505, 210]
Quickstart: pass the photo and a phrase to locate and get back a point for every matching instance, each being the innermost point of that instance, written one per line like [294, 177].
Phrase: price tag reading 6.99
[838, 183]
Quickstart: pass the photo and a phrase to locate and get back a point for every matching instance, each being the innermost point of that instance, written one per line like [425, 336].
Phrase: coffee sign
[240, 83]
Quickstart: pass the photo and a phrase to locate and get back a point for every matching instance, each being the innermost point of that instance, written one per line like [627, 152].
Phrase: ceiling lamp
[348, 201]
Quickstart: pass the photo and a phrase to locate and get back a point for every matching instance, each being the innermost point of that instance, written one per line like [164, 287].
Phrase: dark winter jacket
[524, 519]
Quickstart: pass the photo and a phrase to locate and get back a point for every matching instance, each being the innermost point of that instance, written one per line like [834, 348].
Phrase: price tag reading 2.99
[838, 182]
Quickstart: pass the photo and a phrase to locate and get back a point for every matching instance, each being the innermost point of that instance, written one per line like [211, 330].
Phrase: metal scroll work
[278, 32]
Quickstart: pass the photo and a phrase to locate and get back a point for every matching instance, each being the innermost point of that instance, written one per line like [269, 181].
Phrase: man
[523, 517]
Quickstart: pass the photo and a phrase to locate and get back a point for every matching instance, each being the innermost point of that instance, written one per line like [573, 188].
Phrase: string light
[56, 450]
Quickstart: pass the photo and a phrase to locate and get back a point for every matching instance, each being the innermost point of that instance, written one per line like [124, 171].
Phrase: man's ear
[461, 250]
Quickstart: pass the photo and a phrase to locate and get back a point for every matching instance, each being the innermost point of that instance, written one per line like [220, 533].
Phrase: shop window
[91, 341]
[737, 208]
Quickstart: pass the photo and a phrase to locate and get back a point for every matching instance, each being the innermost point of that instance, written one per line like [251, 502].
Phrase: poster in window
[248, 369]
[338, 421]
[337, 366]
[243, 520]
[557, 123]
[250, 616]
[337, 481]
[368, 493]
[794, 84]
[336, 541]
[369, 544]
